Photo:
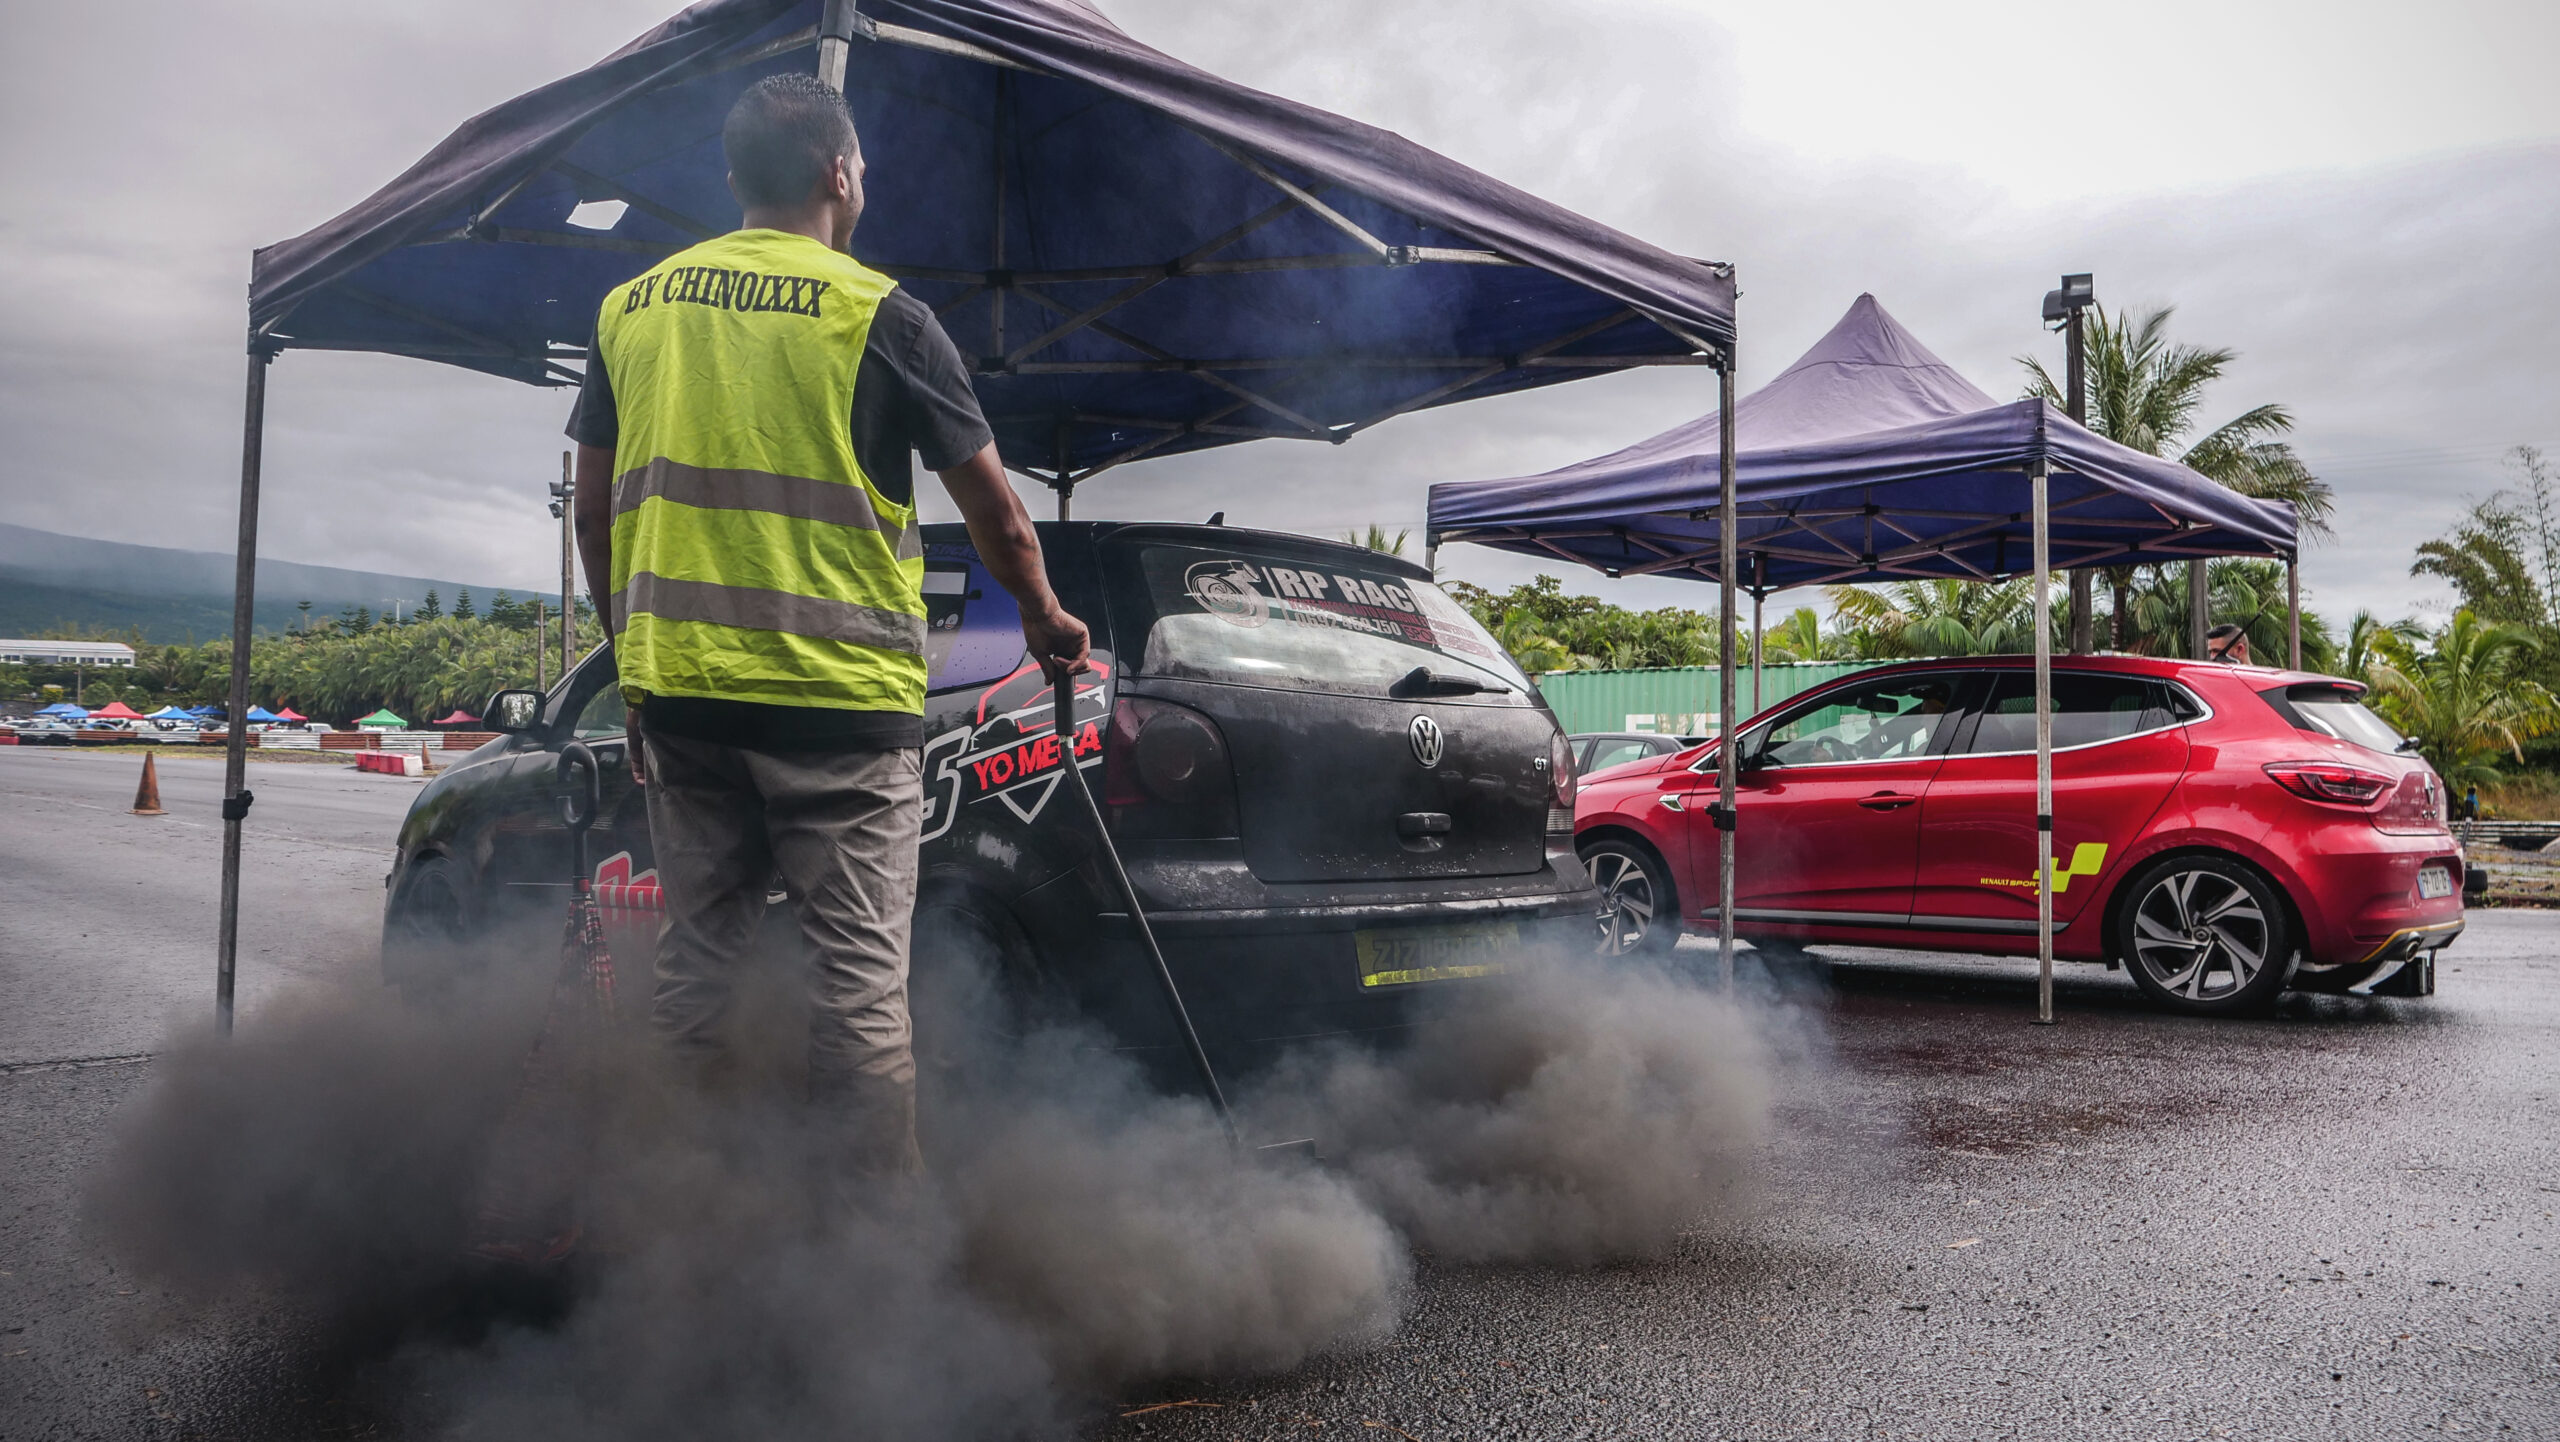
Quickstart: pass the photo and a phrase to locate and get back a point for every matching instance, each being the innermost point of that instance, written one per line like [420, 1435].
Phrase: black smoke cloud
[1080, 1233]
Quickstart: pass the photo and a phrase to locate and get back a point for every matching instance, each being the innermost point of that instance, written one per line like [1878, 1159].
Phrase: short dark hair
[781, 137]
[2223, 632]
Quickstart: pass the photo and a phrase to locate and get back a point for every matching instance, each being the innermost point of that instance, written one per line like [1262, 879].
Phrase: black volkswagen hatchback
[1332, 789]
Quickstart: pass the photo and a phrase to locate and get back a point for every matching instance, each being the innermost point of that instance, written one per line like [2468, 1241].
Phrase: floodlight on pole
[563, 493]
[2062, 310]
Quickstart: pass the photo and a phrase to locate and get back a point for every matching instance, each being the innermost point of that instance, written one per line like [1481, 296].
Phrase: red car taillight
[2416, 807]
[1166, 772]
[2329, 783]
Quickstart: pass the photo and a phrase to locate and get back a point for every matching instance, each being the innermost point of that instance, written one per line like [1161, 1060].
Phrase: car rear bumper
[1261, 981]
[2357, 892]
[2409, 941]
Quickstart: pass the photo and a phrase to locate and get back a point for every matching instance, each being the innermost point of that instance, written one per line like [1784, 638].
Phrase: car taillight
[1560, 783]
[1166, 772]
[2329, 783]
[2416, 807]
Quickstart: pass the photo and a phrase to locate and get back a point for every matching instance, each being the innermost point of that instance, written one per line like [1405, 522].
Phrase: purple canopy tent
[1140, 257]
[1869, 459]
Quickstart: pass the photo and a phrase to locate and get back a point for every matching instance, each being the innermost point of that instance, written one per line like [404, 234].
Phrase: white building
[65, 653]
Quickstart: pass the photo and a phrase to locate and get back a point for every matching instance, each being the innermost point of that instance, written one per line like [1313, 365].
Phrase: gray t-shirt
[911, 399]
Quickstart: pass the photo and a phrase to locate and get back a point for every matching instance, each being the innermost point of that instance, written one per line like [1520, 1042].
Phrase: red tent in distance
[459, 717]
[115, 711]
[289, 714]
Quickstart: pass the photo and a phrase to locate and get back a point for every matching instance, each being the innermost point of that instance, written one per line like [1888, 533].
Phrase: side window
[972, 629]
[1617, 753]
[601, 716]
[1887, 720]
[2086, 708]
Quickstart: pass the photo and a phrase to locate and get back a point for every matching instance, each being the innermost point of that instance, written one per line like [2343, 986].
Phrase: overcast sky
[2362, 198]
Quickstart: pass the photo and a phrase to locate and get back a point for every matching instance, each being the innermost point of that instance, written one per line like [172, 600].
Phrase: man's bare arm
[591, 512]
[591, 516]
[1001, 530]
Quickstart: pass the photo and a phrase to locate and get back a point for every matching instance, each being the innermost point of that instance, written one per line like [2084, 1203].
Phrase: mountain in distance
[49, 581]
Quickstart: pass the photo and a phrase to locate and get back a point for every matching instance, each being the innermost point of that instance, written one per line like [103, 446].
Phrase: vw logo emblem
[1425, 735]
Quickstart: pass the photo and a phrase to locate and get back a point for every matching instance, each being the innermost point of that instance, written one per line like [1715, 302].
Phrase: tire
[1639, 911]
[430, 942]
[2205, 936]
[973, 988]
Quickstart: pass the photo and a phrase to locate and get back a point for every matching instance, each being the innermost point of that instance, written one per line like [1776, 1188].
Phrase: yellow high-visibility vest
[752, 558]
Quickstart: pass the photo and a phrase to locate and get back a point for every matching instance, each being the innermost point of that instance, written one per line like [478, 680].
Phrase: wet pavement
[2334, 1222]
[2337, 1222]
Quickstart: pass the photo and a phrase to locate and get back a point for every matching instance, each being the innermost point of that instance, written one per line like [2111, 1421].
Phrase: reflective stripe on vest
[752, 558]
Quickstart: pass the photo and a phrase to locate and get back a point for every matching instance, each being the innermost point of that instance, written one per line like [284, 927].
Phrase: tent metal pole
[835, 42]
[2076, 385]
[2044, 745]
[2293, 613]
[2199, 605]
[568, 567]
[236, 796]
[1759, 594]
[1727, 521]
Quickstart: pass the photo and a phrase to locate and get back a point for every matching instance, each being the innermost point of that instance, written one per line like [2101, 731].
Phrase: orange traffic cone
[146, 797]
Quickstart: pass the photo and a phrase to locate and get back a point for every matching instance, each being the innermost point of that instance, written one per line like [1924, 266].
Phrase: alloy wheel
[2201, 935]
[1627, 901]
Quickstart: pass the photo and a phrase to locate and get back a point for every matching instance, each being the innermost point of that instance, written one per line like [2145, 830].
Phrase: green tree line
[330, 669]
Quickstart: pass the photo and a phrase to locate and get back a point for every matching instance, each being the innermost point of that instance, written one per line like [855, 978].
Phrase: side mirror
[513, 712]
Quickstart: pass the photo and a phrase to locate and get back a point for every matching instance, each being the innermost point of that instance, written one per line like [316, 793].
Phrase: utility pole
[2064, 309]
[563, 493]
[540, 648]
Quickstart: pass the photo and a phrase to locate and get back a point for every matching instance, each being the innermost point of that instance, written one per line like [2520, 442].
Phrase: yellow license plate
[1414, 954]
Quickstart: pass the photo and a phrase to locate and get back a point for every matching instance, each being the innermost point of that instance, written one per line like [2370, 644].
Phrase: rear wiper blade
[1423, 681]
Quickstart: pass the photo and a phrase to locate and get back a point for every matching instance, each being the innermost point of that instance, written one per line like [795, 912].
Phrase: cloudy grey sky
[2361, 197]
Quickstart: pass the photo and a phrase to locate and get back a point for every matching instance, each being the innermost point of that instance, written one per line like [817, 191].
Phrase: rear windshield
[2334, 711]
[1336, 624]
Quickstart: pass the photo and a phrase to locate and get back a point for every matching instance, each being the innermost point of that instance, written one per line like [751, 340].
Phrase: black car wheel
[430, 942]
[1638, 911]
[2205, 935]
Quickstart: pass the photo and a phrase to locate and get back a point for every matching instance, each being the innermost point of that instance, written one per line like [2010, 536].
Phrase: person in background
[2228, 644]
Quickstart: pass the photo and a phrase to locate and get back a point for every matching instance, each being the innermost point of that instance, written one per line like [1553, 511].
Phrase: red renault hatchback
[2222, 831]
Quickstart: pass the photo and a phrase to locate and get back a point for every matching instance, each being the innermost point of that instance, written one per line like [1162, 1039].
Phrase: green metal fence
[1676, 700]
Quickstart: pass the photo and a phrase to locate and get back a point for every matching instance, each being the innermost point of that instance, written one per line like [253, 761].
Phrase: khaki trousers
[842, 830]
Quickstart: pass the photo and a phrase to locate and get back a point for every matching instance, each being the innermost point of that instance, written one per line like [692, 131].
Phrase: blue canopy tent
[65, 710]
[1869, 459]
[261, 713]
[205, 712]
[1141, 258]
[172, 713]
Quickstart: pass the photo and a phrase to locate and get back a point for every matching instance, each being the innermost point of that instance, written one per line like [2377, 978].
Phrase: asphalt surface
[2335, 1222]
[107, 919]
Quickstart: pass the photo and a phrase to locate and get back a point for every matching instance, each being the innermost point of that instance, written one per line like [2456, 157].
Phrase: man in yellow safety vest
[746, 516]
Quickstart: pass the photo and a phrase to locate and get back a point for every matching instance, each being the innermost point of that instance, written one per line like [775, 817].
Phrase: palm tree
[2356, 661]
[2144, 392]
[1377, 539]
[2464, 698]
[1800, 637]
[1939, 617]
[1526, 638]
